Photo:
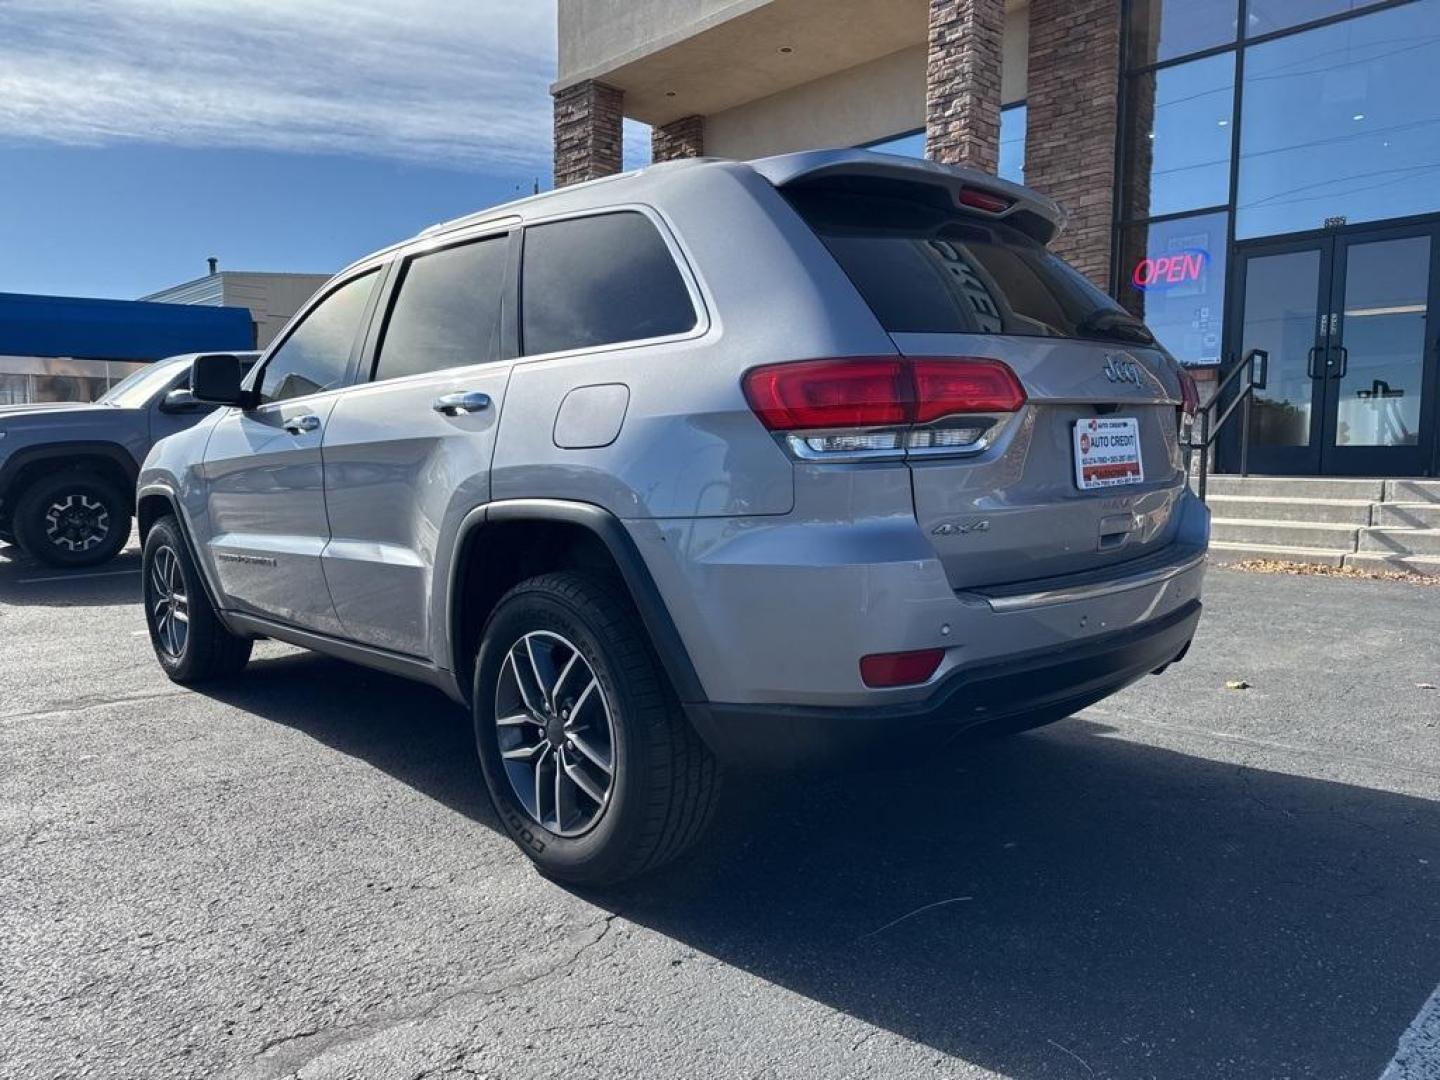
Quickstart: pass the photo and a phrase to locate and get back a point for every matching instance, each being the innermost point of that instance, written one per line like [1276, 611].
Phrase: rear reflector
[900, 668]
[868, 391]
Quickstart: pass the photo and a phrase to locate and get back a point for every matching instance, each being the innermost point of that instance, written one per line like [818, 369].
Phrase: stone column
[962, 82]
[1074, 83]
[683, 138]
[587, 132]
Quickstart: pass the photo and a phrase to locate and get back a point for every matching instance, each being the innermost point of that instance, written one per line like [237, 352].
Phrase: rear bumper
[1056, 680]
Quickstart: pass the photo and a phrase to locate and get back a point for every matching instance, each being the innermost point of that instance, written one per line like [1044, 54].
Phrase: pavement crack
[289, 1054]
[86, 703]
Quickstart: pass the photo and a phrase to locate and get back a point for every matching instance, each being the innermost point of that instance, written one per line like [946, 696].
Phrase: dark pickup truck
[67, 470]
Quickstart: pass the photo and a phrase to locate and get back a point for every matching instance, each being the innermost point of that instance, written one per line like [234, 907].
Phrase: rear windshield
[926, 270]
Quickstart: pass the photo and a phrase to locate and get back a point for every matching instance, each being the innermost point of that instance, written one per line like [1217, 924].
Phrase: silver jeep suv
[711, 463]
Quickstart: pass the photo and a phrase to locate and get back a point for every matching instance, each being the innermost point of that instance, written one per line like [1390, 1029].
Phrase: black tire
[72, 518]
[208, 651]
[664, 782]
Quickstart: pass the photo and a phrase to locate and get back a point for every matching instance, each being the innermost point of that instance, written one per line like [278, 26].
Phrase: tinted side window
[597, 280]
[314, 357]
[447, 313]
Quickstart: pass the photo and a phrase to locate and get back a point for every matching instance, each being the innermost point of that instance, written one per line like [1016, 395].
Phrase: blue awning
[117, 329]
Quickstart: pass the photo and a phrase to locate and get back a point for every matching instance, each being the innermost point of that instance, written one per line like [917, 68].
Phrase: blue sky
[139, 137]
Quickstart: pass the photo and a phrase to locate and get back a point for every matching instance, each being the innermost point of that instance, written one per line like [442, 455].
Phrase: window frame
[678, 256]
[381, 266]
[400, 260]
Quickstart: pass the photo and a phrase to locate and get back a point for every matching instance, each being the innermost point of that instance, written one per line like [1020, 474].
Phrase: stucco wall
[595, 34]
[871, 101]
[860, 104]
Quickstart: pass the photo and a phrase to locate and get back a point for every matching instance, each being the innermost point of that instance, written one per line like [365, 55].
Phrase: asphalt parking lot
[299, 873]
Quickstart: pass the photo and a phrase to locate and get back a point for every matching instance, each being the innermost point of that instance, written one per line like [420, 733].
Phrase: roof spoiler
[1031, 213]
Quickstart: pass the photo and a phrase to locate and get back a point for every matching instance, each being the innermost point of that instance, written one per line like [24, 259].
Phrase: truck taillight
[884, 406]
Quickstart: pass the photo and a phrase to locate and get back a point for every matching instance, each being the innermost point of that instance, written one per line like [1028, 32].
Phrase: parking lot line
[1418, 1055]
[74, 577]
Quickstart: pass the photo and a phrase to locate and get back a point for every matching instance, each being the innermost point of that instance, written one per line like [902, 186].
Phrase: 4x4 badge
[960, 528]
[1121, 369]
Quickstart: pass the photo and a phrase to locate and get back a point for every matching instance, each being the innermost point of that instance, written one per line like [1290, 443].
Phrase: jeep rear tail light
[861, 392]
[867, 407]
[1189, 405]
[1189, 394]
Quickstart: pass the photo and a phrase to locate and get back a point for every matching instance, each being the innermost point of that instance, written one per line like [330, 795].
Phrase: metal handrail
[1256, 366]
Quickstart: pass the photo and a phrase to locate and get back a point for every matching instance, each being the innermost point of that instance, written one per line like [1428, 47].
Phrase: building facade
[1244, 174]
[270, 298]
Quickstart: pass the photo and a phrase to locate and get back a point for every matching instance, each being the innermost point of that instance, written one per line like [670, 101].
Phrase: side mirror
[215, 379]
[181, 400]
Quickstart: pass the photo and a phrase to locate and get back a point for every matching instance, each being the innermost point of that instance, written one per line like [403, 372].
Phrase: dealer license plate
[1107, 452]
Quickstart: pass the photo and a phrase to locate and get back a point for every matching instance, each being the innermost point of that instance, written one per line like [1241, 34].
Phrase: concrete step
[1407, 515]
[1402, 542]
[1225, 552]
[1299, 487]
[1296, 534]
[1426, 491]
[1321, 511]
[1420, 565]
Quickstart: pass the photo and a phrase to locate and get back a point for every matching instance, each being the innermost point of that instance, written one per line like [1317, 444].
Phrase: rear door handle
[299, 425]
[466, 401]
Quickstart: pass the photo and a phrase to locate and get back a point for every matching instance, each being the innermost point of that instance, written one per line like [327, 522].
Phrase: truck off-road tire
[72, 518]
[592, 766]
[190, 642]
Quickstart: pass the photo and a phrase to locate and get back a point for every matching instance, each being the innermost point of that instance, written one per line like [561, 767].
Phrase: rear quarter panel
[689, 446]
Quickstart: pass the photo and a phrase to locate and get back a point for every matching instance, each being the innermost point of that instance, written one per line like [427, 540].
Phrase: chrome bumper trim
[1069, 594]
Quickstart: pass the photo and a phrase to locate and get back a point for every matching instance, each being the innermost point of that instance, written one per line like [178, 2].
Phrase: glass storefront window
[1012, 144]
[1178, 137]
[1173, 277]
[911, 144]
[1267, 16]
[1341, 121]
[1164, 29]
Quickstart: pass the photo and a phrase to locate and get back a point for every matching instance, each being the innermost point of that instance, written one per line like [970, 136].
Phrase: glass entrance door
[1354, 375]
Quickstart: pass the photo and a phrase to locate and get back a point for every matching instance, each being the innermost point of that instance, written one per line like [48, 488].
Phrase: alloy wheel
[556, 734]
[77, 522]
[169, 603]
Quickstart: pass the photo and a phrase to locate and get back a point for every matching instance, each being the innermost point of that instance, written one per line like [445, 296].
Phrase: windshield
[136, 389]
[926, 269]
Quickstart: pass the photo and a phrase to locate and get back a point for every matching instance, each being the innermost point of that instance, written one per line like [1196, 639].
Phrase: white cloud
[462, 82]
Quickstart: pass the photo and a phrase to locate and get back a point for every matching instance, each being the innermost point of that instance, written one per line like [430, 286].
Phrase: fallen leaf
[1236, 684]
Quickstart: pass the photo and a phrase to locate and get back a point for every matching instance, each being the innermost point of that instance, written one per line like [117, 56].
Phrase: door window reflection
[1281, 316]
[1383, 335]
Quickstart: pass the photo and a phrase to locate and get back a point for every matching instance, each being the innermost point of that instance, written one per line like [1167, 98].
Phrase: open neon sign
[1166, 271]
